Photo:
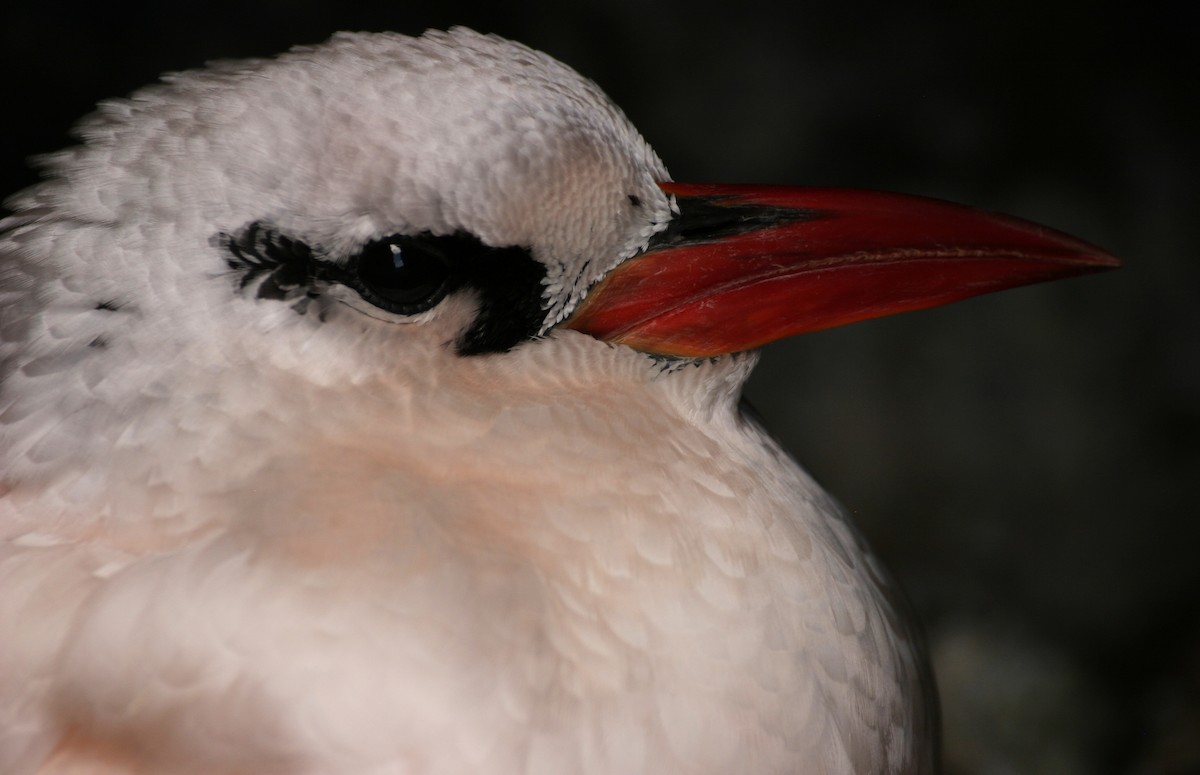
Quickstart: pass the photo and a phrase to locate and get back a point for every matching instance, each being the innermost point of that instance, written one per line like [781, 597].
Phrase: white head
[380, 209]
[249, 213]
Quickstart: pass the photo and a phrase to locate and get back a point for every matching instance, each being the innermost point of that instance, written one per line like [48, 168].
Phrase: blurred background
[1028, 463]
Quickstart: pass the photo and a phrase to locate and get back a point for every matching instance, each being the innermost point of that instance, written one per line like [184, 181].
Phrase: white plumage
[252, 522]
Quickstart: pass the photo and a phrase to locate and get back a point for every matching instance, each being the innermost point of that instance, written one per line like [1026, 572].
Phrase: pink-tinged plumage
[312, 464]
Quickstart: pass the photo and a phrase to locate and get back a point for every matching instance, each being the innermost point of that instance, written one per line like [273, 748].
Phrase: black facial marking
[109, 305]
[635, 200]
[274, 265]
[401, 274]
[511, 307]
[705, 219]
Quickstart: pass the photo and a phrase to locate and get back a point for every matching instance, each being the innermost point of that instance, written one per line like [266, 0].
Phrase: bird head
[383, 209]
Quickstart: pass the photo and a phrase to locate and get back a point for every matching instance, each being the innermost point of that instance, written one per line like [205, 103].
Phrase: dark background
[1028, 463]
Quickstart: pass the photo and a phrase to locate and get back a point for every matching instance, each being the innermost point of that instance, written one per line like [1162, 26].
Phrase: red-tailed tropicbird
[374, 409]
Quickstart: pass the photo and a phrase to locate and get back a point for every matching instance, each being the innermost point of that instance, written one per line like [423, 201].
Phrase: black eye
[400, 274]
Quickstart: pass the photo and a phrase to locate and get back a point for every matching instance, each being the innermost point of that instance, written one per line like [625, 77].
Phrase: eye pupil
[405, 275]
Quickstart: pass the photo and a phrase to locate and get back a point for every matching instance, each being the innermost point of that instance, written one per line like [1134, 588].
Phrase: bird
[374, 409]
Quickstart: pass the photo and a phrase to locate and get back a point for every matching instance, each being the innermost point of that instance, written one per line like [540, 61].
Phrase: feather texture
[238, 539]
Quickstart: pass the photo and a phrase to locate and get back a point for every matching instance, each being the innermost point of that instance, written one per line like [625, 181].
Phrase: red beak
[741, 266]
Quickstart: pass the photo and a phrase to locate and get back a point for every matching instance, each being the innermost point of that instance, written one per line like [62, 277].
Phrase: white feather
[238, 539]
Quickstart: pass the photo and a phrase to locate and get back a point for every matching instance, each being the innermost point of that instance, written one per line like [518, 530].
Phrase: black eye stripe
[509, 283]
[401, 274]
